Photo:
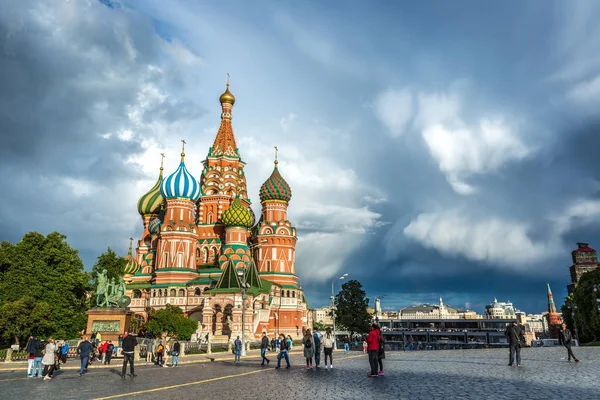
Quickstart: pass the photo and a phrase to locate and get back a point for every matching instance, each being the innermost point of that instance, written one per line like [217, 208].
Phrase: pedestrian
[373, 349]
[328, 343]
[290, 342]
[514, 335]
[273, 348]
[64, 352]
[346, 346]
[160, 350]
[175, 353]
[264, 344]
[565, 338]
[98, 339]
[238, 349]
[31, 347]
[309, 348]
[411, 343]
[93, 338]
[109, 352]
[317, 341]
[49, 359]
[381, 354]
[129, 343]
[100, 351]
[84, 350]
[365, 347]
[283, 353]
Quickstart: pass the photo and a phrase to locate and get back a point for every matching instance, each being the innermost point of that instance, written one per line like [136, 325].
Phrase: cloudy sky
[432, 149]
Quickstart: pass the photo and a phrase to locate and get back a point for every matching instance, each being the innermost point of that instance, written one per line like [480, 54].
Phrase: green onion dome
[275, 188]
[237, 215]
[150, 203]
[132, 266]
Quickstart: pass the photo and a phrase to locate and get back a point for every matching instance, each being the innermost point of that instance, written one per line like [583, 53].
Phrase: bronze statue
[111, 294]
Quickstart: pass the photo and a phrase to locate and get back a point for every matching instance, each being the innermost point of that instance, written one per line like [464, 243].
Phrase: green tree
[39, 271]
[111, 262]
[172, 322]
[586, 314]
[319, 326]
[351, 308]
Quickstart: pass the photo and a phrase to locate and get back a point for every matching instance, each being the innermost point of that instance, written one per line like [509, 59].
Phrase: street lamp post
[573, 312]
[242, 275]
[333, 307]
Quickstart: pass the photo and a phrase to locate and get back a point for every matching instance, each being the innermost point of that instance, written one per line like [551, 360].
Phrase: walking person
[264, 344]
[328, 343]
[309, 348]
[160, 350]
[109, 352]
[283, 353]
[64, 352]
[129, 343]
[514, 335]
[381, 354]
[365, 347]
[84, 350]
[290, 342]
[175, 353]
[238, 349]
[49, 359]
[31, 347]
[317, 340]
[373, 349]
[565, 338]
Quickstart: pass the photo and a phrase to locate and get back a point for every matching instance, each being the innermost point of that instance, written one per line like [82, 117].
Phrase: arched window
[209, 216]
[288, 294]
[197, 292]
[173, 293]
[294, 295]
[204, 255]
[136, 294]
[181, 293]
[154, 293]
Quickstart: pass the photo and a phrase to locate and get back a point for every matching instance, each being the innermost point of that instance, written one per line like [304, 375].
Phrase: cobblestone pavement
[452, 374]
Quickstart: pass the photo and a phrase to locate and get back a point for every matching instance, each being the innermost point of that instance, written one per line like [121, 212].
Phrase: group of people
[515, 338]
[46, 354]
[376, 351]
[157, 349]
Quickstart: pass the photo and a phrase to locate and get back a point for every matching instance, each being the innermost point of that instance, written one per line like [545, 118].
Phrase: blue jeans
[263, 355]
[346, 348]
[238, 352]
[37, 367]
[174, 359]
[283, 354]
[84, 361]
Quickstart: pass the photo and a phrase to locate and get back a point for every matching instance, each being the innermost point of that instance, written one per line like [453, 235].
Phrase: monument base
[110, 322]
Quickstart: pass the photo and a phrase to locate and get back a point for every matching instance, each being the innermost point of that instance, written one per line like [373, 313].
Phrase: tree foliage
[172, 322]
[112, 263]
[586, 314]
[319, 326]
[43, 288]
[351, 308]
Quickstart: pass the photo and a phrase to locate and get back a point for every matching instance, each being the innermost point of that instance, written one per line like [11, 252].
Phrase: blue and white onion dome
[180, 184]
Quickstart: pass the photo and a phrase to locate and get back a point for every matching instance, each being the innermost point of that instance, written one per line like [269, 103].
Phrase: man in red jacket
[373, 349]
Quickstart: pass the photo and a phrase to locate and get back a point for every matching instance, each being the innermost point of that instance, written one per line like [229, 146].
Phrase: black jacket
[176, 347]
[264, 343]
[514, 334]
[565, 337]
[129, 343]
[84, 349]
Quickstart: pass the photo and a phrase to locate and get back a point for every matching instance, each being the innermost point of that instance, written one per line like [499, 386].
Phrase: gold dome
[227, 97]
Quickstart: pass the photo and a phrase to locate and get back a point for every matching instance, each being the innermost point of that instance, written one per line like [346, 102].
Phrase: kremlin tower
[554, 318]
[201, 247]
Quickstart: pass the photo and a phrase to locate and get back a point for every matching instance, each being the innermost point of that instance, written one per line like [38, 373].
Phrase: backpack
[110, 348]
[308, 344]
[160, 348]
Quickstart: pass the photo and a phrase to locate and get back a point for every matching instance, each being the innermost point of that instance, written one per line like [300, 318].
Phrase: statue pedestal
[110, 322]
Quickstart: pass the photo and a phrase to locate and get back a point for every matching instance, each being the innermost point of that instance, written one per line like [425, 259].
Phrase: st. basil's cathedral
[201, 244]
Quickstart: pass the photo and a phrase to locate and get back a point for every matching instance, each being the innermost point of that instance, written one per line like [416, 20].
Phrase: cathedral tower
[175, 258]
[275, 237]
[554, 320]
[222, 181]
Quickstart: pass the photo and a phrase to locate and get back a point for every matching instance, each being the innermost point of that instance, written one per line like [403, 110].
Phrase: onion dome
[180, 184]
[275, 188]
[237, 215]
[132, 266]
[151, 202]
[227, 97]
[154, 226]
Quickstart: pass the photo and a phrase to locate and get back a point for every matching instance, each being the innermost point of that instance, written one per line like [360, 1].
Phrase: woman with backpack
[309, 348]
[160, 350]
[328, 347]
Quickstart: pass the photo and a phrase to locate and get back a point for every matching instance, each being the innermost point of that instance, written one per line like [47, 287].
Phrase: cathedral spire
[224, 144]
[551, 306]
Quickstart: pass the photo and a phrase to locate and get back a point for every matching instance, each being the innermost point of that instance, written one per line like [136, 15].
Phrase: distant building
[429, 311]
[585, 259]
[323, 315]
[501, 310]
[554, 318]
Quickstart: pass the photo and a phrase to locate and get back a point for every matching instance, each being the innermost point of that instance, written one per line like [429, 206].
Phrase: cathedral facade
[203, 250]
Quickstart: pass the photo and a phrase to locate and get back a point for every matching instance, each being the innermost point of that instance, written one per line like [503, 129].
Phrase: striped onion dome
[132, 266]
[154, 226]
[237, 215]
[275, 188]
[180, 184]
[150, 203]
